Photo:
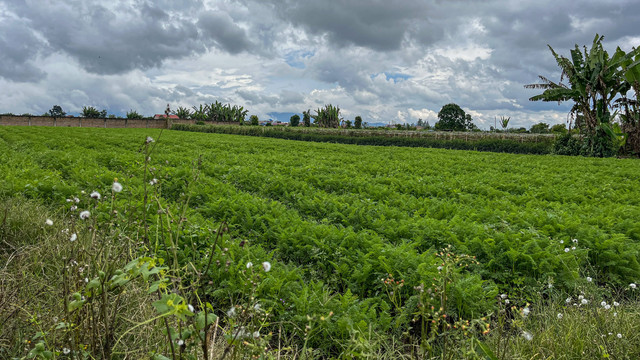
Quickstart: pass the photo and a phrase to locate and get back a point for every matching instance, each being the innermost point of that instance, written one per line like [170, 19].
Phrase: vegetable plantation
[352, 234]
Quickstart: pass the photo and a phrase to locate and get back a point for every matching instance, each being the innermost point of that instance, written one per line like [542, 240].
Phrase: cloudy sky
[390, 61]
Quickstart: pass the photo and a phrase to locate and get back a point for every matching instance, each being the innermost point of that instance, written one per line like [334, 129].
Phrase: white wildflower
[584, 301]
[632, 285]
[526, 311]
[73, 208]
[148, 140]
[561, 241]
[231, 312]
[503, 296]
[49, 222]
[615, 303]
[573, 248]
[85, 214]
[566, 249]
[180, 342]
[249, 265]
[607, 307]
[619, 336]
[615, 314]
[256, 306]
[580, 297]
[256, 334]
[190, 307]
[507, 301]
[76, 199]
[568, 300]
[575, 241]
[589, 279]
[439, 268]
[116, 187]
[66, 351]
[266, 266]
[73, 237]
[527, 335]
[153, 181]
[604, 303]
[560, 316]
[95, 195]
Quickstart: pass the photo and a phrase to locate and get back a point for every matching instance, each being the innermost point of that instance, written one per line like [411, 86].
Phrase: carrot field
[305, 249]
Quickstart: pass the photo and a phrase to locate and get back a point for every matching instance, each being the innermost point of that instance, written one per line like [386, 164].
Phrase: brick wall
[11, 120]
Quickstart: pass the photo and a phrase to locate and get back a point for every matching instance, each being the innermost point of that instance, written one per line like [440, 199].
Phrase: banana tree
[594, 81]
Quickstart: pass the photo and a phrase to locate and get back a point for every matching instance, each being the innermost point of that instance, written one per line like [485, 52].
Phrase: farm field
[352, 234]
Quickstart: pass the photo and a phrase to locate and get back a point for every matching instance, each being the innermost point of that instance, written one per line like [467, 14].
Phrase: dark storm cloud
[105, 40]
[220, 28]
[19, 46]
[376, 24]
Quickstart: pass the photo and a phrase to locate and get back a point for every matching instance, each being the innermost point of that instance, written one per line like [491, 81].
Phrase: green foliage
[254, 120]
[357, 123]
[182, 112]
[132, 114]
[452, 117]
[539, 128]
[327, 117]
[306, 118]
[594, 80]
[352, 248]
[56, 111]
[487, 144]
[294, 120]
[504, 122]
[559, 129]
[91, 112]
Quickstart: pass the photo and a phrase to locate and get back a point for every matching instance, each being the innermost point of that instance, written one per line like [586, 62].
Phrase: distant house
[163, 116]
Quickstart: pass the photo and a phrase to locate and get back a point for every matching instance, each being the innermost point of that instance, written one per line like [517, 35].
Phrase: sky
[389, 61]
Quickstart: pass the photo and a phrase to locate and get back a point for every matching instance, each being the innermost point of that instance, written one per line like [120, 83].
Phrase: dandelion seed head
[503, 296]
[49, 222]
[190, 307]
[66, 351]
[561, 241]
[560, 316]
[526, 311]
[568, 300]
[589, 279]
[575, 241]
[256, 334]
[566, 249]
[116, 187]
[73, 208]
[580, 297]
[607, 307]
[632, 285]
[249, 265]
[619, 336]
[266, 266]
[615, 303]
[149, 140]
[95, 195]
[604, 303]
[584, 301]
[73, 237]
[85, 214]
[527, 335]
[231, 312]
[180, 342]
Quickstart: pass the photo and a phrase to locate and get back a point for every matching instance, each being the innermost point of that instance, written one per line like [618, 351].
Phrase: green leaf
[485, 350]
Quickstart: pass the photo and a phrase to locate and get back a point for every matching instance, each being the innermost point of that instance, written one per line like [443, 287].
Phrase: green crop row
[473, 143]
[336, 219]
